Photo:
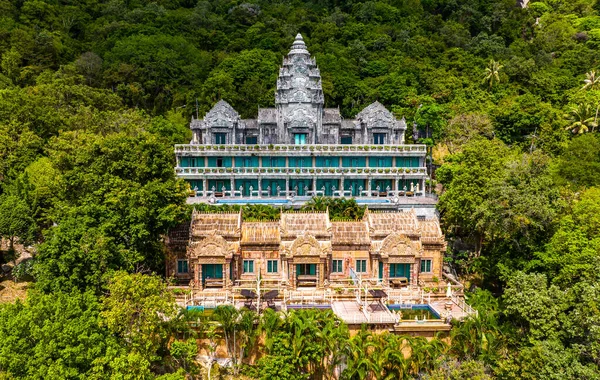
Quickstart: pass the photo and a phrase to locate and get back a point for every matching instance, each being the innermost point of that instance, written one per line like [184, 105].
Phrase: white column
[259, 186]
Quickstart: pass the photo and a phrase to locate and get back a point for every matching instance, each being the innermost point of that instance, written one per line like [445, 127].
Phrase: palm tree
[582, 118]
[492, 73]
[592, 82]
[316, 204]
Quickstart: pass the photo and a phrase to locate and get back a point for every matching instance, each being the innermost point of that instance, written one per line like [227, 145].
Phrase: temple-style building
[299, 148]
[307, 249]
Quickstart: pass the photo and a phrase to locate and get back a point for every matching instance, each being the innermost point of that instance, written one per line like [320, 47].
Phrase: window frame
[379, 136]
[248, 266]
[339, 268]
[300, 138]
[179, 266]
[423, 265]
[271, 264]
[220, 136]
[359, 263]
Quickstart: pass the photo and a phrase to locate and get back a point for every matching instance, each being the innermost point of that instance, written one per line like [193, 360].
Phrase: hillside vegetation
[93, 95]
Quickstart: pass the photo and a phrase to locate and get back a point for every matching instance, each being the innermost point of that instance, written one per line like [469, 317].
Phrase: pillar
[287, 182]
[204, 185]
[369, 185]
[199, 276]
[226, 274]
[397, 184]
[342, 184]
[259, 186]
[232, 182]
[314, 181]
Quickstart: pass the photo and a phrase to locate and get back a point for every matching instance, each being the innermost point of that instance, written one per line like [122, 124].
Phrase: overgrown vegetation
[94, 94]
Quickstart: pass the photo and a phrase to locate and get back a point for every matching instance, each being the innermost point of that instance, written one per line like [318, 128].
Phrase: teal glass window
[182, 266]
[354, 162]
[379, 138]
[272, 266]
[220, 138]
[425, 266]
[251, 140]
[306, 269]
[338, 266]
[361, 266]
[400, 270]
[248, 266]
[300, 138]
[346, 140]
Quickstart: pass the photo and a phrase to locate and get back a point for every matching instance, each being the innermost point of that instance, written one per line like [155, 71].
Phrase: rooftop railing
[306, 171]
[308, 148]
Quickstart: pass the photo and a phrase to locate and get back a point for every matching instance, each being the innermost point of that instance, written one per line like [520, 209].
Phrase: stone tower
[299, 97]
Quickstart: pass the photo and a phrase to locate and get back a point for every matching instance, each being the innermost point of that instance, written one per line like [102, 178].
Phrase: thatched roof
[297, 223]
[431, 231]
[224, 223]
[350, 233]
[260, 233]
[384, 223]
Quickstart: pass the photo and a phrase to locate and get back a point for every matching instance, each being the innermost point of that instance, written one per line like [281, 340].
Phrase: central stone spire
[299, 97]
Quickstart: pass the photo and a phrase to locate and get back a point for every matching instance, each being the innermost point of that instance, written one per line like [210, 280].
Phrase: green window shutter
[275, 269]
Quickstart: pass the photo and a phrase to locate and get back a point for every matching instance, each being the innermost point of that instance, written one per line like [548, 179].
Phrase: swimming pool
[409, 312]
[252, 201]
[369, 201]
[309, 306]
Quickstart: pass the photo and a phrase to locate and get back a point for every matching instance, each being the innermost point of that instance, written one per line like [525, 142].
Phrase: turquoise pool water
[308, 306]
[369, 201]
[252, 201]
[409, 312]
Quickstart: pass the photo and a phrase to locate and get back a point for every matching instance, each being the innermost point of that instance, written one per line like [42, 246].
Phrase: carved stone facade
[307, 249]
[299, 115]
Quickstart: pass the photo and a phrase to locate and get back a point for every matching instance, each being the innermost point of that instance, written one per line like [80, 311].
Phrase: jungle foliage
[93, 94]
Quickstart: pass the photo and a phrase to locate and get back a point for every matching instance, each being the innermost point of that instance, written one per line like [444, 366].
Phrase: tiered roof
[226, 224]
[370, 231]
[260, 233]
[350, 233]
[299, 222]
[384, 223]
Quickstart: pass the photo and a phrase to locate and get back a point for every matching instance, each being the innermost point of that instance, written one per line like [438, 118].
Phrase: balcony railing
[304, 171]
[314, 149]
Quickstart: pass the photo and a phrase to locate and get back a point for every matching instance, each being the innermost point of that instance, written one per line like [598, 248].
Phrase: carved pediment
[397, 244]
[210, 246]
[221, 115]
[376, 115]
[305, 245]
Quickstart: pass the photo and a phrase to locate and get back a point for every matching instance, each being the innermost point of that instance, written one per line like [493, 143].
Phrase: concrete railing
[407, 172]
[239, 149]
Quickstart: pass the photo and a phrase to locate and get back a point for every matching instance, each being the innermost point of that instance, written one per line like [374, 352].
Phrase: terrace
[364, 301]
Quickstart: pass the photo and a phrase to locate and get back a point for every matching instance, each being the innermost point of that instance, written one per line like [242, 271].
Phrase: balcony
[317, 149]
[304, 172]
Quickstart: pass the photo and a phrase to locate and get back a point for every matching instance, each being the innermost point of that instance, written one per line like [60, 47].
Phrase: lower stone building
[306, 249]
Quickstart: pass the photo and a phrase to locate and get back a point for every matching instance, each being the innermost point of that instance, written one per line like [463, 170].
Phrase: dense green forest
[93, 94]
